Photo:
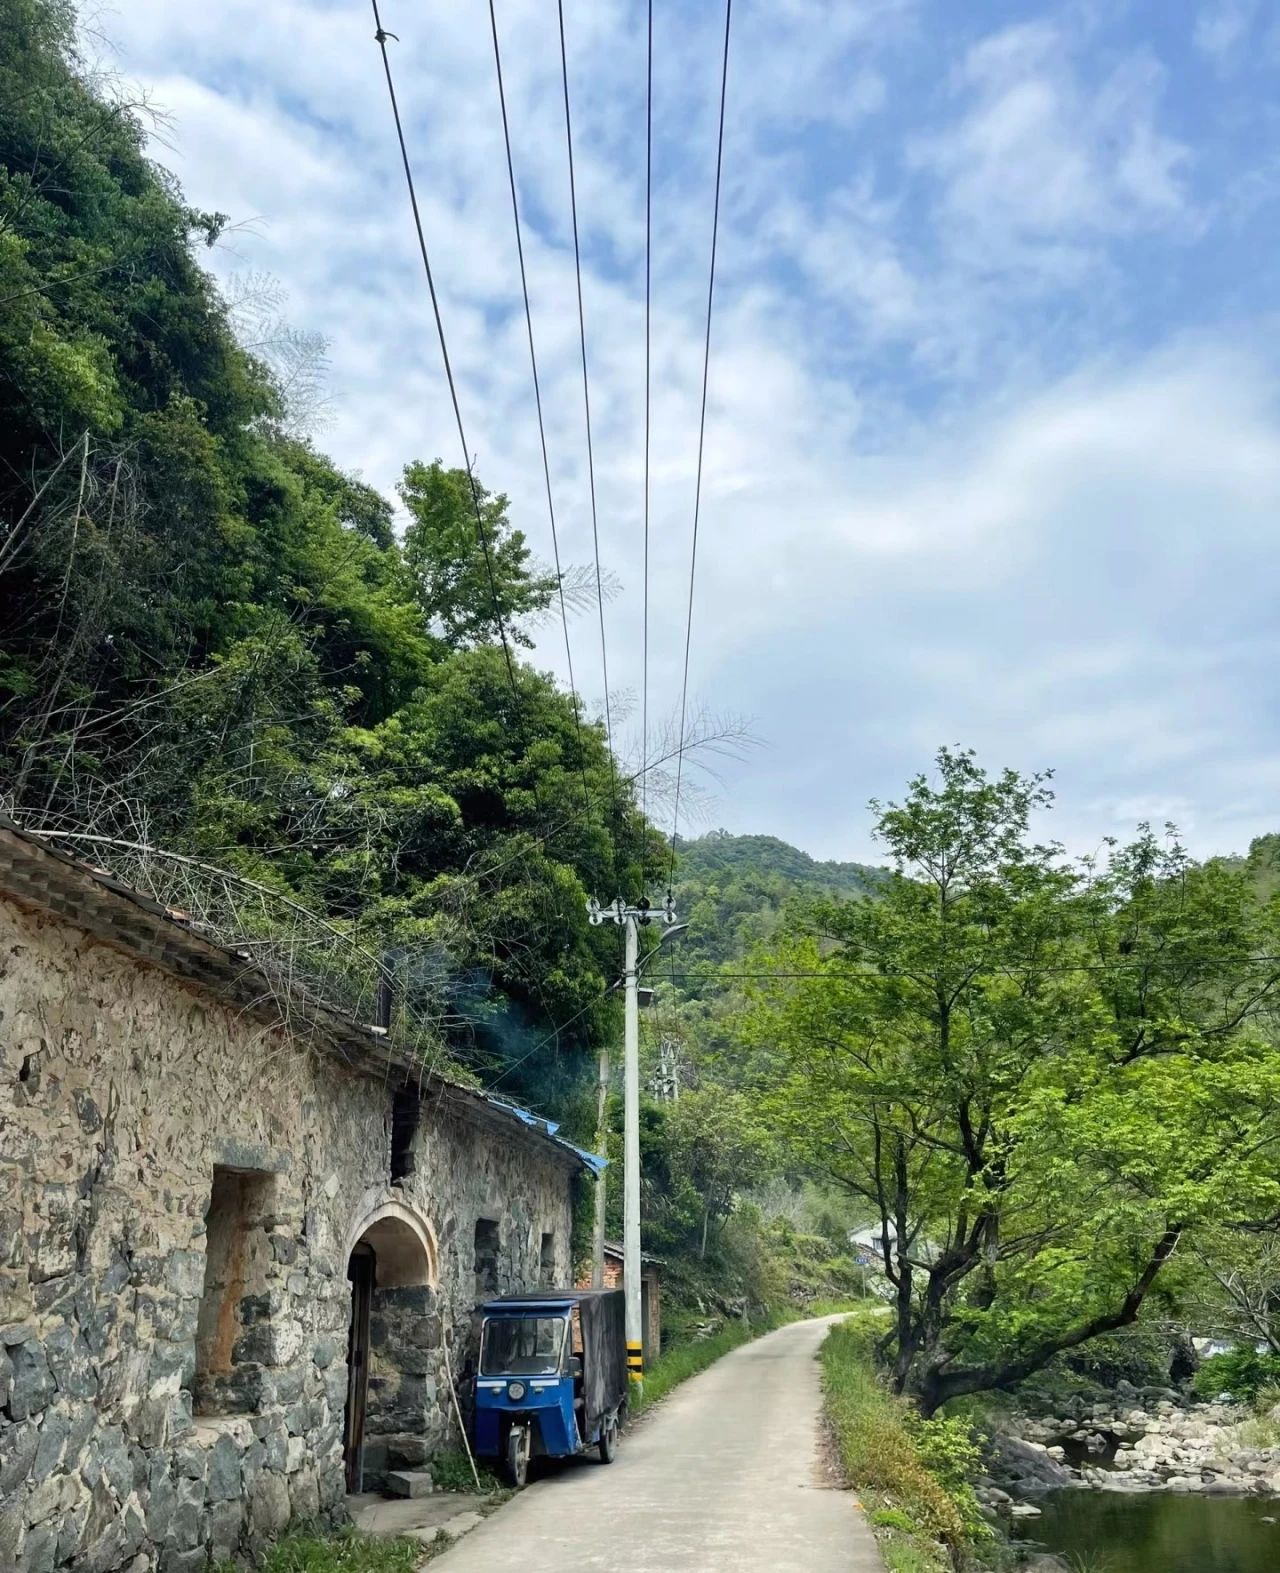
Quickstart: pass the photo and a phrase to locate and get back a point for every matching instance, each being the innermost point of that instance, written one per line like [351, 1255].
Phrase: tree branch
[976, 1379]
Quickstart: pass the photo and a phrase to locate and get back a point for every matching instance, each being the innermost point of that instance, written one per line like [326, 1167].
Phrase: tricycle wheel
[517, 1459]
[609, 1440]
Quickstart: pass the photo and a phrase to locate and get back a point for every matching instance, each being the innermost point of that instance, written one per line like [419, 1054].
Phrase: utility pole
[631, 1157]
[666, 1080]
[632, 919]
[602, 1141]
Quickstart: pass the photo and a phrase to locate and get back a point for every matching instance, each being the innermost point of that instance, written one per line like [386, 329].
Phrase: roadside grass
[343, 1551]
[451, 1471]
[911, 1474]
[688, 1359]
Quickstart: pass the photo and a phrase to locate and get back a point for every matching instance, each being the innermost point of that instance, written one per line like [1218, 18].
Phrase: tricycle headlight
[515, 1392]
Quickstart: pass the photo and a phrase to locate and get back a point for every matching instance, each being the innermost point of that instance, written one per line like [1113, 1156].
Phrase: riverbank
[1152, 1439]
[911, 1474]
[1136, 1480]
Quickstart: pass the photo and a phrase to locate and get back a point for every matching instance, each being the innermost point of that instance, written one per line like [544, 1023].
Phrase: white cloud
[1038, 164]
[1221, 27]
[1072, 583]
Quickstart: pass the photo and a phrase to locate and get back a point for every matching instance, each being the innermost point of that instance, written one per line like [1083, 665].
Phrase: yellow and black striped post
[635, 1363]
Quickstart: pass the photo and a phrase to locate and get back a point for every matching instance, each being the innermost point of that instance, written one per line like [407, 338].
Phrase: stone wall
[121, 1090]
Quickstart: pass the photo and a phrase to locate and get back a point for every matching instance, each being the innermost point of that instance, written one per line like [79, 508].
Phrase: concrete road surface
[725, 1476]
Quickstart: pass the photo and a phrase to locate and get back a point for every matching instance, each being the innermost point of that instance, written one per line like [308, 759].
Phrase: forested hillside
[213, 644]
[732, 890]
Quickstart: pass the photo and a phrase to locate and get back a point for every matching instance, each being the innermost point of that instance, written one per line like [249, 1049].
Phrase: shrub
[950, 1452]
[1267, 1399]
[451, 1471]
[891, 1518]
[1241, 1372]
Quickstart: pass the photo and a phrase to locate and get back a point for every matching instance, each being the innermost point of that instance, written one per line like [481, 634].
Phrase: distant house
[868, 1245]
[650, 1292]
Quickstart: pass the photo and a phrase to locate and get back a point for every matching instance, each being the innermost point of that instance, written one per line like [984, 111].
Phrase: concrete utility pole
[631, 919]
[602, 1140]
[631, 1157]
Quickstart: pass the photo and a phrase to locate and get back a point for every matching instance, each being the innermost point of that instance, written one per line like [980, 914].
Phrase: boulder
[1025, 1467]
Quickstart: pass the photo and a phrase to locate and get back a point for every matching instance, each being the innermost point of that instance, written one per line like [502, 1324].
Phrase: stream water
[1155, 1532]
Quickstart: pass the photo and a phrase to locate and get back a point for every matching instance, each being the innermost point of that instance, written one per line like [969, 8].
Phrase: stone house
[238, 1257]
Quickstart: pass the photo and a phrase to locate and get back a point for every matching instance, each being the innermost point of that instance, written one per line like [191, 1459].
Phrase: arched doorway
[390, 1250]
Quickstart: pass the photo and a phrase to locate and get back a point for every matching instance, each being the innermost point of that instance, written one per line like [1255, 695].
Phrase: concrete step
[409, 1483]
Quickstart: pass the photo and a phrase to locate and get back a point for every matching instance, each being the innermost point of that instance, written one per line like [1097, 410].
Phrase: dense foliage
[732, 891]
[1242, 1372]
[213, 643]
[1048, 1080]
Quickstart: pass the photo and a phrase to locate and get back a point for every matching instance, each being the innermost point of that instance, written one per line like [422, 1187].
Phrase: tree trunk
[905, 1357]
[936, 1387]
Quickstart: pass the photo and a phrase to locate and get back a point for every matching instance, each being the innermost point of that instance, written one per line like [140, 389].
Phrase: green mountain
[732, 890]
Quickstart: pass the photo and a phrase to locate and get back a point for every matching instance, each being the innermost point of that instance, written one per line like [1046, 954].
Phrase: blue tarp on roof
[593, 1160]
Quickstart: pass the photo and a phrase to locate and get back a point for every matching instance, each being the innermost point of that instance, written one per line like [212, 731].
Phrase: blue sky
[993, 450]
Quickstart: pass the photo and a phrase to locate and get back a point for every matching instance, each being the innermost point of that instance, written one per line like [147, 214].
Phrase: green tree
[1044, 1079]
[1234, 1293]
[468, 578]
[716, 1149]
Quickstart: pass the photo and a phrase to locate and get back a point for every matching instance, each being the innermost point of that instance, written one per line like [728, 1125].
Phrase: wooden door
[360, 1271]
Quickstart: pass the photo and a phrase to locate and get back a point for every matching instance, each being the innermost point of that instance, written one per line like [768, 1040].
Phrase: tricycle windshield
[522, 1346]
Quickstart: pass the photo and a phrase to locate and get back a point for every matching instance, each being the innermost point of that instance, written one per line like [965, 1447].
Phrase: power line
[702, 432]
[813, 975]
[648, 270]
[586, 400]
[1027, 969]
[537, 395]
[381, 35]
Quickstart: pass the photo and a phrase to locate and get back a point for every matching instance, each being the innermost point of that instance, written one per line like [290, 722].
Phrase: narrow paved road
[723, 1477]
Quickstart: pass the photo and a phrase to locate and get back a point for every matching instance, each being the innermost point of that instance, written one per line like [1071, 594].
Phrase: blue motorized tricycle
[552, 1378]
